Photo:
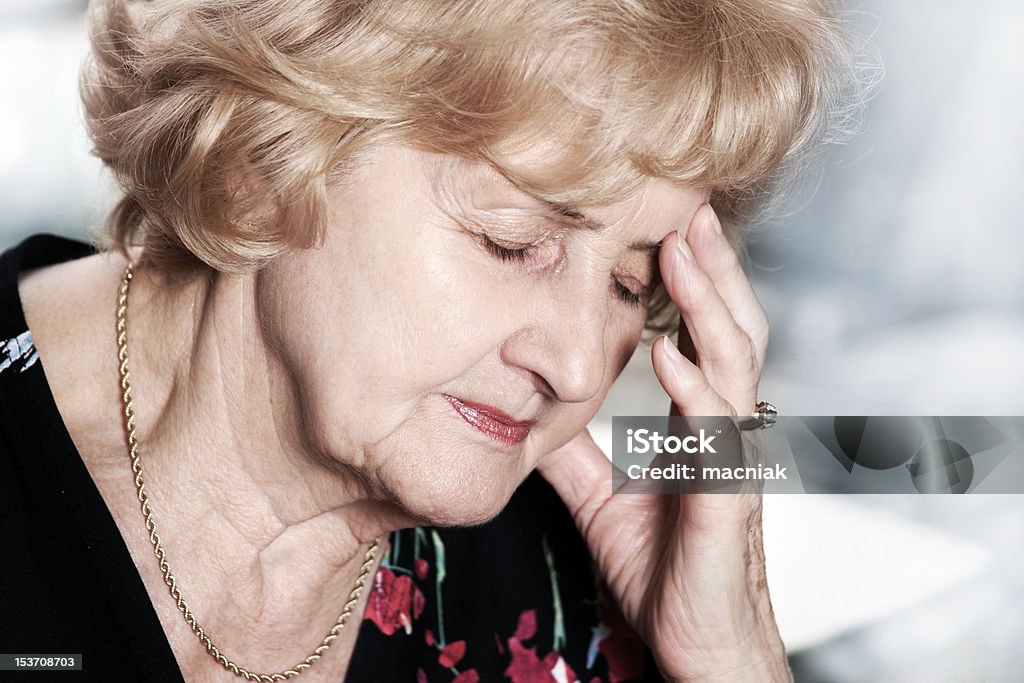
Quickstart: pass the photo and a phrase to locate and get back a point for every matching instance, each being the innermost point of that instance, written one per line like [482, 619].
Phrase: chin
[454, 515]
[457, 490]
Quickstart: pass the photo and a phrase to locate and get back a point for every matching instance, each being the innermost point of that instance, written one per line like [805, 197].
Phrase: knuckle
[735, 344]
[729, 260]
[693, 385]
[751, 364]
[761, 332]
[692, 293]
[697, 282]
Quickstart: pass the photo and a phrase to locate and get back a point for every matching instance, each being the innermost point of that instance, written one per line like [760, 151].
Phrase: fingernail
[671, 350]
[707, 219]
[684, 248]
[716, 224]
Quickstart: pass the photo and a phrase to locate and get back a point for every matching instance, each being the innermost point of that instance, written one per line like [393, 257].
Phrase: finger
[694, 396]
[724, 351]
[722, 265]
[685, 383]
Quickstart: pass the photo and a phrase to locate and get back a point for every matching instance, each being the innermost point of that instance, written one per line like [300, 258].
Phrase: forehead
[658, 206]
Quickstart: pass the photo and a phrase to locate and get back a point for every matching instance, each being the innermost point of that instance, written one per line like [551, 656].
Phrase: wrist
[751, 649]
[758, 656]
[768, 669]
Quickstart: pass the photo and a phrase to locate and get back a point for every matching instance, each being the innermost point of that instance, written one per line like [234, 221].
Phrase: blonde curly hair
[224, 123]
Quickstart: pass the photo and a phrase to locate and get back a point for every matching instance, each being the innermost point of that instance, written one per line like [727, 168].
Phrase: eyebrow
[592, 224]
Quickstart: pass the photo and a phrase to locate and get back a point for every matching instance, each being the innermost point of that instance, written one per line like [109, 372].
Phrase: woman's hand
[688, 570]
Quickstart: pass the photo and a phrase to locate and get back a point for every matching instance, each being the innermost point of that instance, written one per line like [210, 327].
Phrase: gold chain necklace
[129, 415]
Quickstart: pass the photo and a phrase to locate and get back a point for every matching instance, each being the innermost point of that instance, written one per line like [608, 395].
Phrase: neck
[241, 494]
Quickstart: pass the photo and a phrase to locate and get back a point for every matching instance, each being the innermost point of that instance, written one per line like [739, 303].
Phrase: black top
[515, 599]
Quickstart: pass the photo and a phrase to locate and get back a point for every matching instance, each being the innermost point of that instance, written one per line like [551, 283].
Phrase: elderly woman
[374, 268]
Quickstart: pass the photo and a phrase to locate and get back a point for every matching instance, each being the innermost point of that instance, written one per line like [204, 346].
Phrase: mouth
[493, 422]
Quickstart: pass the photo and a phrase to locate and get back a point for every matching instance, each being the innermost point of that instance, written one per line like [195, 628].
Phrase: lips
[492, 421]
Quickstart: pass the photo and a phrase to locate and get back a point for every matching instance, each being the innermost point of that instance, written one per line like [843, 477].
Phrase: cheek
[624, 345]
[370, 330]
[622, 335]
[448, 308]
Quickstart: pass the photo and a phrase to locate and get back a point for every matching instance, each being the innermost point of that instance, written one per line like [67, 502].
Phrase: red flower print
[390, 602]
[421, 676]
[468, 676]
[420, 567]
[418, 602]
[527, 626]
[526, 666]
[622, 648]
[452, 653]
[429, 637]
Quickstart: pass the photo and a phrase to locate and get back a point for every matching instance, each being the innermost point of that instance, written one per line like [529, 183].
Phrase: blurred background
[896, 287]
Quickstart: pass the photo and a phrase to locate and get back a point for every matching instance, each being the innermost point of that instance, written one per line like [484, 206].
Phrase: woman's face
[441, 288]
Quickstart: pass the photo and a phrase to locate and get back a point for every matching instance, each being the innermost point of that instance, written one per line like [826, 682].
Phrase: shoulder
[25, 401]
[57, 282]
[63, 294]
[17, 345]
[35, 254]
[43, 309]
[50, 509]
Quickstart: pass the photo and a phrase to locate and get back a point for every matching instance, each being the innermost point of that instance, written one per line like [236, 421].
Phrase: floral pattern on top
[399, 595]
[18, 353]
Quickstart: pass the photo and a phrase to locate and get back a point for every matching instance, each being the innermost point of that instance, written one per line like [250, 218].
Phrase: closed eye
[507, 254]
[627, 295]
[521, 254]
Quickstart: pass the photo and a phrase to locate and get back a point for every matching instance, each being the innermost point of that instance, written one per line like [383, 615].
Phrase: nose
[563, 344]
